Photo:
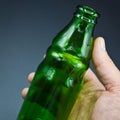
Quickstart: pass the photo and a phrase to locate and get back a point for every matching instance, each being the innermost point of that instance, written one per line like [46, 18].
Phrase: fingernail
[102, 44]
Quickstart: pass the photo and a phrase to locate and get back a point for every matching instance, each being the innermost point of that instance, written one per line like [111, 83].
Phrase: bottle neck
[76, 38]
[80, 41]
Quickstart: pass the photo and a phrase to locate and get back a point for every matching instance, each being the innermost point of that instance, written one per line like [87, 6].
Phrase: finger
[31, 76]
[106, 70]
[24, 92]
[91, 78]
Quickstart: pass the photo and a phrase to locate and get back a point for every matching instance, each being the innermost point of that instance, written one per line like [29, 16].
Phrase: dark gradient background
[27, 28]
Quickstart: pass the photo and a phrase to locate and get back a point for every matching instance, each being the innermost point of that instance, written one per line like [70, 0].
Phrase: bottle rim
[87, 13]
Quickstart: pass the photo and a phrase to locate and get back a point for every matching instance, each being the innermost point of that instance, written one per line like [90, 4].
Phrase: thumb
[106, 70]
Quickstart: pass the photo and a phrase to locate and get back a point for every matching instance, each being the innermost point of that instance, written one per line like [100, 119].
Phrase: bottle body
[58, 78]
[50, 93]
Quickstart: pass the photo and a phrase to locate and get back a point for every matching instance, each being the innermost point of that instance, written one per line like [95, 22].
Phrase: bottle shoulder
[56, 53]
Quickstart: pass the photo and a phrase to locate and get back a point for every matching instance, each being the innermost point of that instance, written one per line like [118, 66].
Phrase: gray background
[27, 28]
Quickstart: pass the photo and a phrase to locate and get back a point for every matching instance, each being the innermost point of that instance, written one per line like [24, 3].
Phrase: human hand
[99, 98]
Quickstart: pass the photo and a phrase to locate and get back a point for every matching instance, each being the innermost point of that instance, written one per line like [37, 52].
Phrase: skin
[99, 98]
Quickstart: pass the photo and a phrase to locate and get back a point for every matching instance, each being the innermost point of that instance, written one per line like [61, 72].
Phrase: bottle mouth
[87, 13]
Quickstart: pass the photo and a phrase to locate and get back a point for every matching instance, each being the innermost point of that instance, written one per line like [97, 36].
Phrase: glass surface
[58, 78]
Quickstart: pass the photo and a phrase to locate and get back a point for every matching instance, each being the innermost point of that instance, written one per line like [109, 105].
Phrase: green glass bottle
[58, 78]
